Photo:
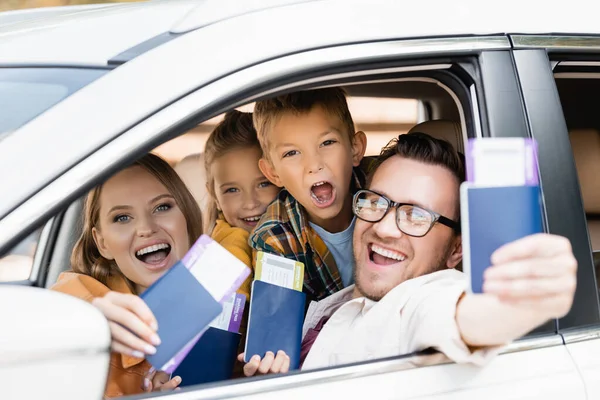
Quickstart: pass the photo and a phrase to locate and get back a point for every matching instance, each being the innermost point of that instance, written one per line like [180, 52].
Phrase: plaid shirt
[284, 230]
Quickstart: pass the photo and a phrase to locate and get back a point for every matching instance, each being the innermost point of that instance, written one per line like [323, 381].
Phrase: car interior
[577, 94]
[381, 109]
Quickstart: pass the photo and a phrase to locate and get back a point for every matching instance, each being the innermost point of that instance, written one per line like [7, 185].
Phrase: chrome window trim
[582, 335]
[578, 63]
[40, 250]
[341, 373]
[556, 42]
[154, 126]
[476, 115]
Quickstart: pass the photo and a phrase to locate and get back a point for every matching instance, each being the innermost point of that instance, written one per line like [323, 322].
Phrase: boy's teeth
[251, 219]
[152, 248]
[319, 184]
[387, 253]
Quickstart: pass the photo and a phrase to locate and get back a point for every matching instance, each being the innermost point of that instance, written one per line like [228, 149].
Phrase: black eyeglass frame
[392, 204]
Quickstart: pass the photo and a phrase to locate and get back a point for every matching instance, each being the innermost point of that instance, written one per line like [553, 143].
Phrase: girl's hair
[86, 259]
[234, 132]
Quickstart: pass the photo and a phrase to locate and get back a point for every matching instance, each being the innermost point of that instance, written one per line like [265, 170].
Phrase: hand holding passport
[500, 201]
[189, 296]
[276, 310]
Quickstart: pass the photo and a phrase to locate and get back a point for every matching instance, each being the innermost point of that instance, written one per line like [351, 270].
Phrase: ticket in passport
[221, 274]
[493, 162]
[279, 271]
[219, 271]
[231, 317]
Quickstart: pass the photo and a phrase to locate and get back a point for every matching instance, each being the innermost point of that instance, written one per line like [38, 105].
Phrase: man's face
[386, 257]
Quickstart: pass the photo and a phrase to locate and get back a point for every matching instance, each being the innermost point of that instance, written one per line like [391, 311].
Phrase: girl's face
[140, 226]
[242, 191]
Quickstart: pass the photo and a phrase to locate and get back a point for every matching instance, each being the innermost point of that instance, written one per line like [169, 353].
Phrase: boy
[310, 149]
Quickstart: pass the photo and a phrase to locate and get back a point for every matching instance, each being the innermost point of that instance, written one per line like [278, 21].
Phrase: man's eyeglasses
[412, 220]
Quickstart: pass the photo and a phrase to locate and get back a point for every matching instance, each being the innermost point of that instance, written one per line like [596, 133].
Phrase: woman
[137, 225]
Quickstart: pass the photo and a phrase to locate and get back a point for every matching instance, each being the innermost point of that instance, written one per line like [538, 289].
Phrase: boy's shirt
[284, 230]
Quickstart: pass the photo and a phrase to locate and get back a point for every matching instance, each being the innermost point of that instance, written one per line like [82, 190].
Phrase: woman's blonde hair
[86, 259]
[234, 132]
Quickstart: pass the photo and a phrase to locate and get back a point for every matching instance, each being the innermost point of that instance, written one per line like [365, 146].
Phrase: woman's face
[140, 226]
[242, 191]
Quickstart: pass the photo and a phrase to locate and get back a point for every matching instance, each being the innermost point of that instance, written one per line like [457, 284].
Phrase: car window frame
[218, 97]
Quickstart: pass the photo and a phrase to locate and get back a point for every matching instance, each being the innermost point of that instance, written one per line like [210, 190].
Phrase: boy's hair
[268, 112]
[86, 258]
[426, 149]
[234, 132]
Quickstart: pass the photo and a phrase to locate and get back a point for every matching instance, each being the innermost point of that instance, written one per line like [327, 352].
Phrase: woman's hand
[129, 316]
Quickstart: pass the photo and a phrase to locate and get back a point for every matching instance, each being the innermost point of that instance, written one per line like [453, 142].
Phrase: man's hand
[538, 272]
[531, 280]
[271, 364]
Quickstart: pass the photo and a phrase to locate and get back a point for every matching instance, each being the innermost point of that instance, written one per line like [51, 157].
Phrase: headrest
[586, 150]
[447, 130]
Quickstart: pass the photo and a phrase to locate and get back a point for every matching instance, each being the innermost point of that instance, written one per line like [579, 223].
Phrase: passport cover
[211, 359]
[492, 217]
[183, 308]
[275, 321]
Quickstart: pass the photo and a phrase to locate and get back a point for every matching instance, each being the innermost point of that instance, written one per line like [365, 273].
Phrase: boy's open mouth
[323, 194]
[154, 254]
[381, 256]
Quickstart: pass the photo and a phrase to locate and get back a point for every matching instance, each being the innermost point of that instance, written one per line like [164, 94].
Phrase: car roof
[93, 35]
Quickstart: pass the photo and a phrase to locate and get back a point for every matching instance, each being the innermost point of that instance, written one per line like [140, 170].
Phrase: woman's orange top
[126, 373]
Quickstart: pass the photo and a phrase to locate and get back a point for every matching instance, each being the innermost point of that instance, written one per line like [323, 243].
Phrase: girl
[239, 192]
[137, 225]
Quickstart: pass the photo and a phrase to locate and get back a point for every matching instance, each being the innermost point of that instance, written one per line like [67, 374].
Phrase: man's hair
[426, 149]
[268, 112]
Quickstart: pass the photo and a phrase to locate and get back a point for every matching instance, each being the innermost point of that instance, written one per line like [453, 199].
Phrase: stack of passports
[185, 301]
[275, 321]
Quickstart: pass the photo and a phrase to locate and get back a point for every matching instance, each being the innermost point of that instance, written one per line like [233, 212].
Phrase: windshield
[27, 92]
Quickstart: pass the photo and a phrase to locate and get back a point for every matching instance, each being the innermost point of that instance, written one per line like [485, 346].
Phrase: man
[408, 295]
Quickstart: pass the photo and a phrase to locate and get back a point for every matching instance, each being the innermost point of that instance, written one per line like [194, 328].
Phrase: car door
[561, 103]
[477, 71]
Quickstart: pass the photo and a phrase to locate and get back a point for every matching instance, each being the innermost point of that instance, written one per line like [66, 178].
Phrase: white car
[84, 90]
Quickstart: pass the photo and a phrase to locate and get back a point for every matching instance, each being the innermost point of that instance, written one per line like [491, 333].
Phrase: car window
[27, 92]
[17, 263]
[577, 92]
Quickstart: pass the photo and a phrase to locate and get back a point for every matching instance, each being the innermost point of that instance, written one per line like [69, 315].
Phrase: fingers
[251, 367]
[516, 289]
[122, 349]
[552, 267]
[270, 364]
[266, 363]
[131, 312]
[240, 357]
[170, 385]
[124, 337]
[539, 245]
[160, 378]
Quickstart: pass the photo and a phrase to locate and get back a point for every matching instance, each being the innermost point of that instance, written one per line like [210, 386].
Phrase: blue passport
[275, 321]
[182, 307]
[211, 359]
[492, 217]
